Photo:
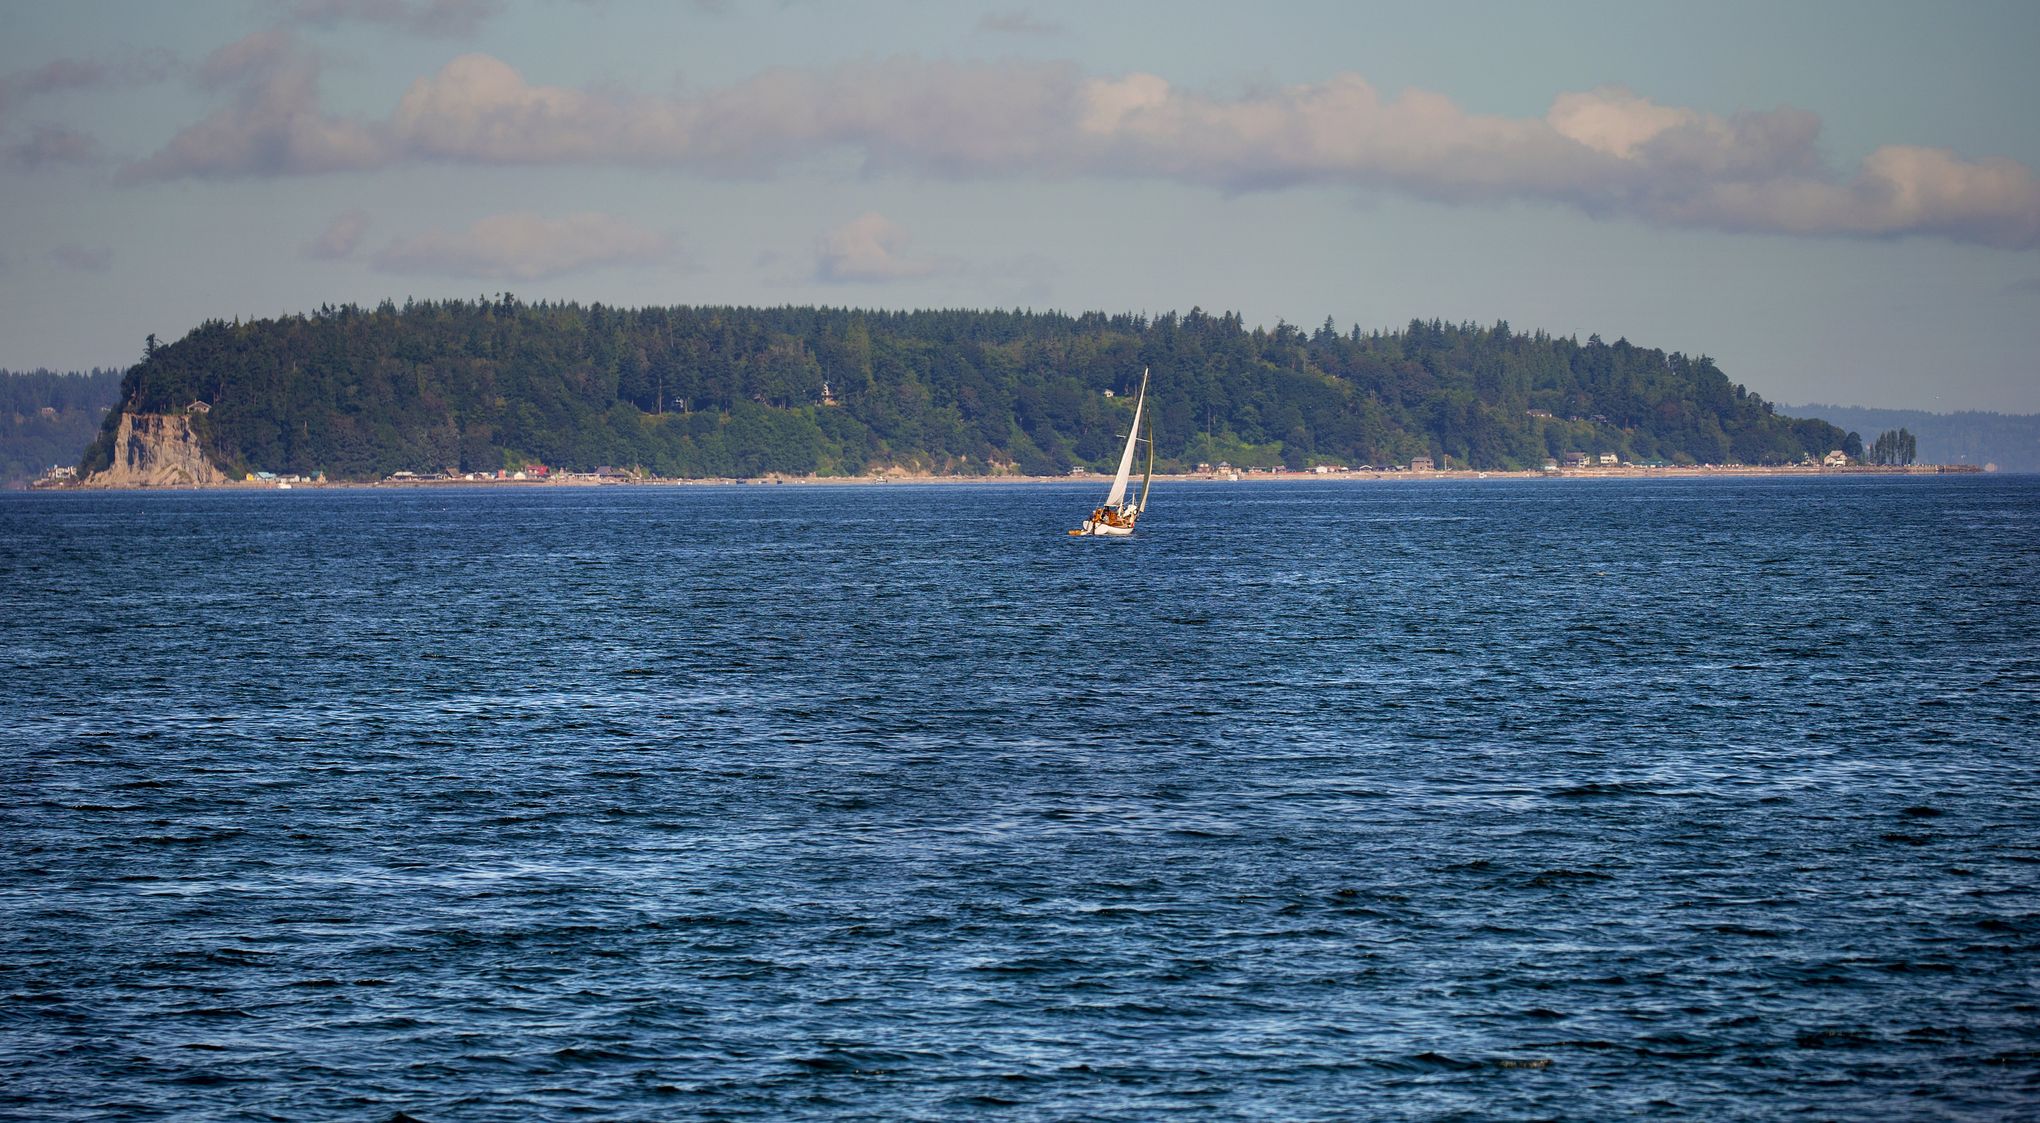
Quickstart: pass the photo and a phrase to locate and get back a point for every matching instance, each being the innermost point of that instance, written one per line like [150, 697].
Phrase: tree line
[47, 416]
[1894, 447]
[726, 391]
[2009, 440]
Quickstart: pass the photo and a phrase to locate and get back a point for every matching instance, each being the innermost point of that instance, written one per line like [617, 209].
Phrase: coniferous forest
[716, 391]
[46, 417]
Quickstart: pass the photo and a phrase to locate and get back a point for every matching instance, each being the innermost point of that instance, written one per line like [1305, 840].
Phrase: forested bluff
[359, 393]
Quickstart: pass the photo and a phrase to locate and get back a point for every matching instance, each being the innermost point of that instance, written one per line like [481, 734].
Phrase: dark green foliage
[1894, 447]
[46, 417]
[739, 391]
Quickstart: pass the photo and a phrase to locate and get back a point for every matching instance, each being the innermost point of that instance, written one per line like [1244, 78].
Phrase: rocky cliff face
[157, 450]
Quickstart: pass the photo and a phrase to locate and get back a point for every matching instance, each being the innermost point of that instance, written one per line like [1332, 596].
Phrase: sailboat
[1116, 518]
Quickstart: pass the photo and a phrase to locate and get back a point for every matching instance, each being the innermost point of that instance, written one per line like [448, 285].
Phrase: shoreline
[899, 479]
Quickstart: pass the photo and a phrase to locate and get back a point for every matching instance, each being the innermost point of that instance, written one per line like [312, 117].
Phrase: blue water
[1494, 800]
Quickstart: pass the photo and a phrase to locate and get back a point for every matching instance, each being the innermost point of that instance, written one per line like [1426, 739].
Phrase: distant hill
[2009, 440]
[698, 391]
[47, 418]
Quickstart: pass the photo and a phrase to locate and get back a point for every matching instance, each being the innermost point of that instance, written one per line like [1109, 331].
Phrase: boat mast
[1147, 478]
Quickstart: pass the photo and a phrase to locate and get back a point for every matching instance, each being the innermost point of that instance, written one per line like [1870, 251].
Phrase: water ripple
[1512, 800]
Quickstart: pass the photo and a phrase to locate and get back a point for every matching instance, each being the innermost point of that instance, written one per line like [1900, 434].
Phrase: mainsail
[1117, 496]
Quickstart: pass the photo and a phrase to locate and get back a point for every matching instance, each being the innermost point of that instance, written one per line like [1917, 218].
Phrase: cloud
[251, 57]
[869, 248]
[68, 75]
[479, 109]
[436, 18]
[1606, 152]
[52, 77]
[523, 246]
[944, 118]
[338, 239]
[1019, 23]
[2024, 285]
[49, 145]
[86, 259]
[273, 125]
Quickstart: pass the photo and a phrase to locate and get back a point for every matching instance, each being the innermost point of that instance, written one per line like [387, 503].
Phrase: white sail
[1117, 495]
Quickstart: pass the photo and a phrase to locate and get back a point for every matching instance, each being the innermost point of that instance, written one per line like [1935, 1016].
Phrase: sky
[1839, 202]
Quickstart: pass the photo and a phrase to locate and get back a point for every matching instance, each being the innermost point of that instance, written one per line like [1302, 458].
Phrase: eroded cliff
[157, 450]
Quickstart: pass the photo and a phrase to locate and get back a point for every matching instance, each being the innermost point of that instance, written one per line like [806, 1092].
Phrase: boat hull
[1102, 530]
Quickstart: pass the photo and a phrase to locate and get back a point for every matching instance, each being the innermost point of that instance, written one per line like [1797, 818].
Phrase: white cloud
[1607, 152]
[523, 246]
[1900, 190]
[869, 248]
[478, 108]
[1616, 121]
[273, 125]
[339, 238]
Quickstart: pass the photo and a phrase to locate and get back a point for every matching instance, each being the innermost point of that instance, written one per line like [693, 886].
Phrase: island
[499, 389]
